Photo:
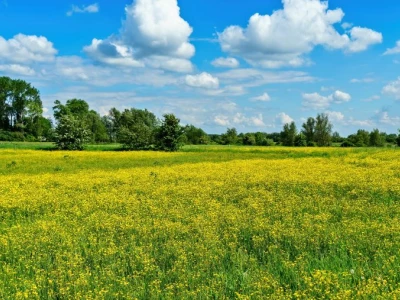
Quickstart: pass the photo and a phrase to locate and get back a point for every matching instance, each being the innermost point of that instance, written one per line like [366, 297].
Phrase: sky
[253, 65]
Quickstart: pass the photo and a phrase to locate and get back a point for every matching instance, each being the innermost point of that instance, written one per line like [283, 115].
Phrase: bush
[10, 136]
[347, 144]
[139, 137]
[312, 144]
[71, 134]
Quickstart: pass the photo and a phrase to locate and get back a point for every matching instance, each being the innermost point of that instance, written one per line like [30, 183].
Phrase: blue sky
[253, 64]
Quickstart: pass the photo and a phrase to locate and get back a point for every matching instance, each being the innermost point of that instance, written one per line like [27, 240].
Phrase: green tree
[249, 139]
[375, 138]
[323, 130]
[71, 133]
[169, 134]
[20, 105]
[398, 139]
[230, 137]
[300, 140]
[134, 128]
[309, 130]
[288, 135]
[79, 110]
[336, 138]
[360, 139]
[195, 136]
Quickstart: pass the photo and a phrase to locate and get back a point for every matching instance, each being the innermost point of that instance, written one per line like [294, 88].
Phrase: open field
[207, 222]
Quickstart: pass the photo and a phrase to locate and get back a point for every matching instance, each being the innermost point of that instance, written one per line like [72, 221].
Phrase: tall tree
[5, 106]
[323, 130]
[398, 139]
[288, 135]
[309, 130]
[375, 138]
[169, 133]
[195, 136]
[19, 104]
[230, 137]
[79, 110]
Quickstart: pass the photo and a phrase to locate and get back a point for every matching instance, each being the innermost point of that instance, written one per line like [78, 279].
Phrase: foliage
[71, 133]
[323, 130]
[195, 136]
[309, 130]
[138, 137]
[347, 144]
[375, 139]
[360, 139]
[288, 135]
[20, 106]
[169, 134]
[230, 137]
[79, 110]
[398, 139]
[300, 140]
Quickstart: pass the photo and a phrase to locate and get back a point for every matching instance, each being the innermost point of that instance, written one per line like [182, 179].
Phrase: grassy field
[207, 222]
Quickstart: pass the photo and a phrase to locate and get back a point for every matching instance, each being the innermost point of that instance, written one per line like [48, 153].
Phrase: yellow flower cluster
[213, 222]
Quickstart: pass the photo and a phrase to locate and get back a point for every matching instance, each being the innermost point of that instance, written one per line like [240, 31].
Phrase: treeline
[21, 119]
[315, 132]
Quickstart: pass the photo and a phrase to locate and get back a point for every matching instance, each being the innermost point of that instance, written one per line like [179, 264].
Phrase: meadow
[206, 222]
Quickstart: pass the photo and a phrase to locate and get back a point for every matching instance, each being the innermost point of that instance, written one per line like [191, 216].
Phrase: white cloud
[228, 62]
[317, 101]
[249, 77]
[392, 89]
[347, 25]
[26, 49]
[362, 38]
[284, 118]
[203, 80]
[92, 8]
[372, 98]
[264, 98]
[384, 118]
[153, 34]
[362, 80]
[394, 50]
[221, 120]
[335, 116]
[285, 36]
[239, 119]
[17, 69]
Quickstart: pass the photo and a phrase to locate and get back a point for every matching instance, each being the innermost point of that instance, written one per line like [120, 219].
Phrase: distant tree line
[21, 119]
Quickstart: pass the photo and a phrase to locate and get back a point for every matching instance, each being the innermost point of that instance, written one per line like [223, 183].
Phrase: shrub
[71, 134]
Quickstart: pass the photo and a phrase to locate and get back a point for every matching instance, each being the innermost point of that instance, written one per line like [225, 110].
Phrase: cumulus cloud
[228, 62]
[285, 36]
[394, 50]
[335, 116]
[239, 119]
[392, 89]
[202, 80]
[153, 34]
[17, 70]
[26, 49]
[92, 8]
[221, 120]
[317, 101]
[383, 117]
[283, 118]
[263, 98]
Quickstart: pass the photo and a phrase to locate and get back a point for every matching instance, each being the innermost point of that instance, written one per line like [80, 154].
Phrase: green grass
[50, 146]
